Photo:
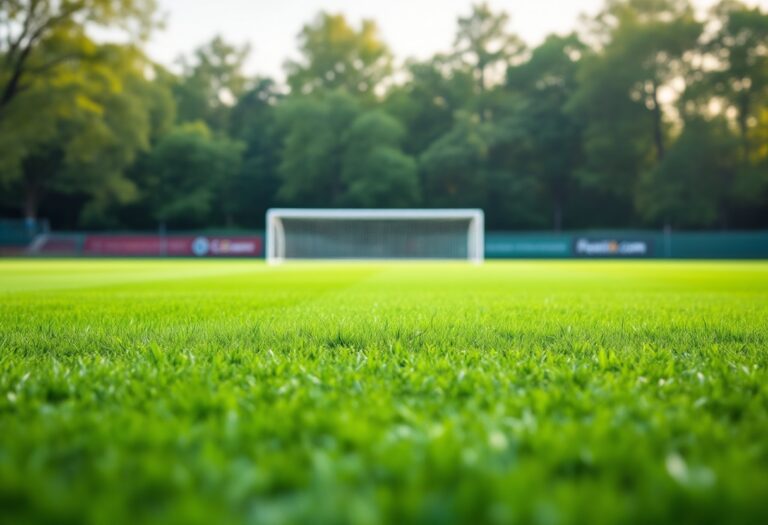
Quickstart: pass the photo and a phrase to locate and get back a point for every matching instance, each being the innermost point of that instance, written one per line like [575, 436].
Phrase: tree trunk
[558, 219]
[31, 202]
[481, 109]
[557, 215]
[481, 65]
[724, 211]
[11, 88]
[658, 130]
[744, 126]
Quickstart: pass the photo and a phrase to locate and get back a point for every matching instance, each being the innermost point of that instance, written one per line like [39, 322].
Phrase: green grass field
[520, 392]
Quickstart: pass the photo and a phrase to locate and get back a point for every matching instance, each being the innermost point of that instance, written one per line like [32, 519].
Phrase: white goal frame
[275, 232]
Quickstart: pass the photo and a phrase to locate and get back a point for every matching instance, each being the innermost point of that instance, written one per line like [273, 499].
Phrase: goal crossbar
[278, 221]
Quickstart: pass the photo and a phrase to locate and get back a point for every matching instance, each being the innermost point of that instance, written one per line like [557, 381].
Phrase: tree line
[650, 115]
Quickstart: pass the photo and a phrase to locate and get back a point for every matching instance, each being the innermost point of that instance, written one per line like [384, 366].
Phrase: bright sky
[412, 28]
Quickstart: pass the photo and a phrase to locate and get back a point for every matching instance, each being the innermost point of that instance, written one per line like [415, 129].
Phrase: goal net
[295, 234]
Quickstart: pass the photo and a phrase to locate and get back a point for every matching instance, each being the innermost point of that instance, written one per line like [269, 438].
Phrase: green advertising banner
[627, 245]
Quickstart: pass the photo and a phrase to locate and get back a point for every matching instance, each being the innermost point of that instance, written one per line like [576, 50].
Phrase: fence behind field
[147, 245]
[16, 235]
[617, 244]
[627, 244]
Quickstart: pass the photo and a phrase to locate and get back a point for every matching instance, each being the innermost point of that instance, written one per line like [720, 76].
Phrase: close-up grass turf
[513, 392]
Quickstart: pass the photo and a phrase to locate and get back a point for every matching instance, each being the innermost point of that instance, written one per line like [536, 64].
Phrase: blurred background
[177, 116]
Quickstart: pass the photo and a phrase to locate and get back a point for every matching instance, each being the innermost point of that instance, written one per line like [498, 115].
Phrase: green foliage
[313, 129]
[89, 117]
[649, 44]
[189, 171]
[602, 129]
[455, 165]
[41, 37]
[546, 83]
[91, 121]
[426, 104]
[375, 171]
[337, 154]
[253, 122]
[483, 42]
[193, 392]
[337, 56]
[697, 179]
[741, 80]
[212, 83]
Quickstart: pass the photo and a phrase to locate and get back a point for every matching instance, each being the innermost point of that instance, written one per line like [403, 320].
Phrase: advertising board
[612, 247]
[172, 246]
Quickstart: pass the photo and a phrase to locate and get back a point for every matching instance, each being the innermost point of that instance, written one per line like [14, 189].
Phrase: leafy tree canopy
[335, 55]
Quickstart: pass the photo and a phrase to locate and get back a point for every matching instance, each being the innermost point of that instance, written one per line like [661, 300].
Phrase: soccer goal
[297, 234]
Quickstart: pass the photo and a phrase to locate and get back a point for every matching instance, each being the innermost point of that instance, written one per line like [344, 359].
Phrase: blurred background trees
[649, 115]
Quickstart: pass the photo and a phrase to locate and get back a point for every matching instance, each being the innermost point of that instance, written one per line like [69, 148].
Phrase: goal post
[375, 234]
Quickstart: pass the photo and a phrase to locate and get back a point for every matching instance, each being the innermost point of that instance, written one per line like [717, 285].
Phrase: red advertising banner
[173, 246]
